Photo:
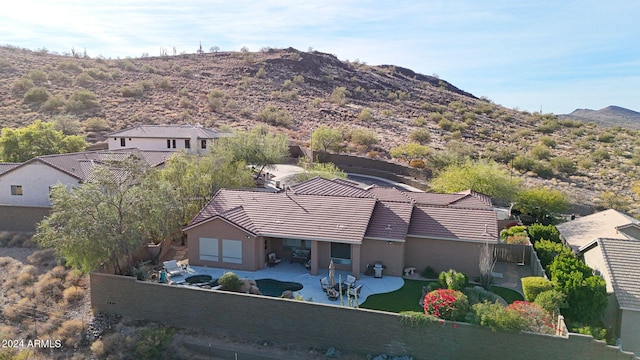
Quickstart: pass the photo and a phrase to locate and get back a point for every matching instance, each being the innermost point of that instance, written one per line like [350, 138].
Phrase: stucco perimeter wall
[304, 324]
[21, 218]
[442, 255]
[630, 331]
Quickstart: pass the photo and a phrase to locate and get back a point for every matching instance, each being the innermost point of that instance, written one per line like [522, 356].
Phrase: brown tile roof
[454, 223]
[325, 187]
[170, 131]
[465, 200]
[390, 194]
[621, 257]
[287, 214]
[4, 167]
[390, 221]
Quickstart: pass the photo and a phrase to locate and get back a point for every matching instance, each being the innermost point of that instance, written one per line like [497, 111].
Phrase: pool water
[272, 287]
[197, 279]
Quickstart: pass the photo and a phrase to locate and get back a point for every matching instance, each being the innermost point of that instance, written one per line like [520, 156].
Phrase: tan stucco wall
[630, 331]
[443, 255]
[594, 258]
[253, 255]
[390, 255]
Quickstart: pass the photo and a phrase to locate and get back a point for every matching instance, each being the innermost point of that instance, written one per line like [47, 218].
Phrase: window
[209, 249]
[203, 144]
[122, 142]
[187, 144]
[168, 144]
[341, 253]
[232, 251]
[173, 143]
[16, 189]
[291, 244]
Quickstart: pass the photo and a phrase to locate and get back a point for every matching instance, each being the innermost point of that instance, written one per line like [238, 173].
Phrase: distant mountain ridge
[609, 116]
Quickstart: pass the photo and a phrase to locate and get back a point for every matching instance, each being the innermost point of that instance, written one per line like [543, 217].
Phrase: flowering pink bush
[538, 319]
[446, 304]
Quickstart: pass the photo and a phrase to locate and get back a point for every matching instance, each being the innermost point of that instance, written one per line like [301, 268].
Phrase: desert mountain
[293, 92]
[610, 116]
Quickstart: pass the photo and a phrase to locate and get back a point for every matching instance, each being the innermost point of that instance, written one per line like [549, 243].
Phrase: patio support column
[355, 259]
[314, 258]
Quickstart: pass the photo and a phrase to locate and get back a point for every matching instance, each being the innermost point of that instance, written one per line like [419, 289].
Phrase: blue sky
[554, 55]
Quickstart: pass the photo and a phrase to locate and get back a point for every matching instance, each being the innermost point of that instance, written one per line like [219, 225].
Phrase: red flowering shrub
[446, 304]
[538, 319]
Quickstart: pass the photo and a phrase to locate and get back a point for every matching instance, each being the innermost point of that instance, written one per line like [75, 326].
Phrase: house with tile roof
[337, 220]
[609, 242]
[28, 184]
[191, 138]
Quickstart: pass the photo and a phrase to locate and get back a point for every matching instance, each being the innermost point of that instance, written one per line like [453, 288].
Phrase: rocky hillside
[293, 92]
[610, 116]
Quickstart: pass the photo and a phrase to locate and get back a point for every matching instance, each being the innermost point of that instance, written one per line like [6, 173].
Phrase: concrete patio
[311, 289]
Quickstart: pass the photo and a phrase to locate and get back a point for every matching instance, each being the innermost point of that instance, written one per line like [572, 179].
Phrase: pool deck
[311, 289]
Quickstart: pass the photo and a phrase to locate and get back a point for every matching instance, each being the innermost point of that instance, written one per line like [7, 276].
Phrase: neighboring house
[29, 184]
[337, 220]
[617, 261]
[609, 242]
[191, 138]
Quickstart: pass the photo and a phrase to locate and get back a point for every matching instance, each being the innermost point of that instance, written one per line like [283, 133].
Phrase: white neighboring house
[192, 138]
[29, 183]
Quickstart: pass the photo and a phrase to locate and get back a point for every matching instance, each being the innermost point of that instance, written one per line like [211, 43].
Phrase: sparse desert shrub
[600, 155]
[59, 77]
[36, 95]
[418, 163]
[363, 137]
[16, 310]
[163, 83]
[606, 137]
[22, 85]
[81, 100]
[421, 136]
[548, 141]
[27, 275]
[420, 121]
[84, 79]
[38, 76]
[70, 66]
[365, 115]
[230, 281]
[54, 104]
[153, 343]
[73, 294]
[184, 102]
[42, 257]
[48, 287]
[74, 278]
[542, 169]
[132, 91]
[540, 152]
[564, 165]
[70, 332]
[339, 96]
[114, 346]
[298, 80]
[274, 116]
[96, 124]
[261, 73]
[548, 126]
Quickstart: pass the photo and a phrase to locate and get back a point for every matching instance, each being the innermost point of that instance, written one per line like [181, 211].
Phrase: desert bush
[114, 346]
[74, 278]
[598, 333]
[70, 332]
[534, 285]
[80, 100]
[22, 85]
[365, 115]
[564, 165]
[339, 96]
[42, 257]
[163, 83]
[73, 294]
[48, 287]
[540, 152]
[363, 137]
[542, 169]
[38, 76]
[23, 307]
[274, 116]
[184, 102]
[59, 77]
[446, 304]
[417, 163]
[27, 275]
[70, 66]
[36, 95]
[153, 343]
[230, 281]
[523, 163]
[132, 91]
[96, 124]
[84, 79]
[600, 155]
[548, 141]
[548, 126]
[58, 272]
[98, 74]
[477, 295]
[421, 136]
[53, 104]
[606, 137]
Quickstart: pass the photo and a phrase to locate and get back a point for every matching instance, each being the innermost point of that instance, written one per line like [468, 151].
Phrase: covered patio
[295, 272]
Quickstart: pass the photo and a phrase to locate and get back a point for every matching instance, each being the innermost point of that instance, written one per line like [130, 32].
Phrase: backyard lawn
[406, 298]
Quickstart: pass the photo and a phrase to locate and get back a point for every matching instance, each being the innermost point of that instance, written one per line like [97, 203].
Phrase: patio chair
[173, 268]
[273, 260]
[351, 281]
[355, 291]
[324, 284]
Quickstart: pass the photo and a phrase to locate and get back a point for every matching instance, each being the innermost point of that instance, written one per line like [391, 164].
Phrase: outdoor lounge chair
[355, 291]
[324, 283]
[173, 268]
[351, 281]
[272, 259]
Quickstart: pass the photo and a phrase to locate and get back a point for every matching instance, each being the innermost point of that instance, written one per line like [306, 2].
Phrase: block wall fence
[306, 324]
[21, 218]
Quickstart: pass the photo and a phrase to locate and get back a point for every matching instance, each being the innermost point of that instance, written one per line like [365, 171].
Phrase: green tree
[325, 138]
[409, 151]
[324, 170]
[257, 147]
[540, 202]
[483, 176]
[39, 138]
[110, 218]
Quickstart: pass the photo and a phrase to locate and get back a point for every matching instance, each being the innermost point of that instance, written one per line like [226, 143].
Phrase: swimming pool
[275, 288]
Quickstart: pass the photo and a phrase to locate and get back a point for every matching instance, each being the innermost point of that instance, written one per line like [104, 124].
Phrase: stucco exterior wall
[442, 255]
[390, 255]
[593, 257]
[309, 325]
[630, 331]
[159, 144]
[35, 179]
[253, 254]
